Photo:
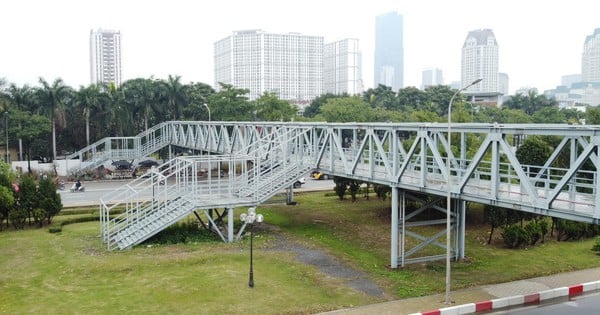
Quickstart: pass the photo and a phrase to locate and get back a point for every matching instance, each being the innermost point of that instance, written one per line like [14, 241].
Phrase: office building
[389, 51]
[105, 57]
[289, 65]
[590, 59]
[503, 83]
[431, 77]
[480, 61]
[342, 67]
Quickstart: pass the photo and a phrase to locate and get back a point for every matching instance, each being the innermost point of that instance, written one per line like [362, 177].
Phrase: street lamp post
[250, 218]
[208, 109]
[449, 195]
[6, 129]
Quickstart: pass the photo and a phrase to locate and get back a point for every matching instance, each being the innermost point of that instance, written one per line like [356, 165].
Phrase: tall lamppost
[208, 109]
[250, 218]
[449, 195]
[6, 129]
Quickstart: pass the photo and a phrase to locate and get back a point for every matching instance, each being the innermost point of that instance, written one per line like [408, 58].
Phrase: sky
[539, 41]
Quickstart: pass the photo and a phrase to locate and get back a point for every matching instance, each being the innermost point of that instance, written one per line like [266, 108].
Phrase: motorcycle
[75, 189]
[60, 186]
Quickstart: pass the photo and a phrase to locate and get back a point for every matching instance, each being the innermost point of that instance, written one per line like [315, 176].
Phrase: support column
[230, 224]
[290, 196]
[461, 220]
[403, 225]
[394, 229]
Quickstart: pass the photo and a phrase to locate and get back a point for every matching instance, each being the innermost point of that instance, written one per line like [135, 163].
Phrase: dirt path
[327, 264]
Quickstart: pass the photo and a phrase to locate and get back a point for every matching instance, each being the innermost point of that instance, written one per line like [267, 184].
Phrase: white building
[105, 57]
[342, 67]
[480, 61]
[289, 65]
[590, 58]
[431, 77]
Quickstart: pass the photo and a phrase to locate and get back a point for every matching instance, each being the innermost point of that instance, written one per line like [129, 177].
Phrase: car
[319, 175]
[301, 181]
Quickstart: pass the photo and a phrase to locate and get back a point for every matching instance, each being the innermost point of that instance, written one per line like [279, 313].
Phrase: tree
[347, 109]
[90, 100]
[315, 106]
[381, 97]
[231, 104]
[28, 199]
[592, 115]
[341, 185]
[270, 108]
[53, 98]
[21, 99]
[49, 199]
[33, 127]
[496, 217]
[198, 95]
[534, 151]
[176, 96]
[411, 98]
[529, 103]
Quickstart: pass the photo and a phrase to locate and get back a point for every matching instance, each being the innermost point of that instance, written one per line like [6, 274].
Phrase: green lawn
[71, 271]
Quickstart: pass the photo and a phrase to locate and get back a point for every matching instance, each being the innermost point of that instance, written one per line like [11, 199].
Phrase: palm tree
[89, 98]
[21, 99]
[141, 96]
[53, 99]
[176, 96]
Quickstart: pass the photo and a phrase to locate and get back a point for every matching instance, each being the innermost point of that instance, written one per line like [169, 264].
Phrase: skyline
[51, 39]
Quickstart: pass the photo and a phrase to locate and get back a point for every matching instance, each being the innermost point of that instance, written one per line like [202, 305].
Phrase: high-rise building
[389, 51]
[431, 77]
[342, 67]
[590, 60]
[480, 61]
[289, 65]
[503, 83]
[105, 56]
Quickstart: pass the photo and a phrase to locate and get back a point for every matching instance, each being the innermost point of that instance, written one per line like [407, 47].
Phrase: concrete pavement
[510, 293]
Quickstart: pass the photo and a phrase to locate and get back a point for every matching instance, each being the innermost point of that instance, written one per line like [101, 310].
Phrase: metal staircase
[177, 188]
[119, 148]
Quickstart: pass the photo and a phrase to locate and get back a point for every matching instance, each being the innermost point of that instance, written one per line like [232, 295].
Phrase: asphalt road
[94, 190]
[582, 305]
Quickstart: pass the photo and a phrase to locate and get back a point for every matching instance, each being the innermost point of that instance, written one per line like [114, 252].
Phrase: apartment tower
[480, 61]
[289, 65]
[105, 57]
[342, 67]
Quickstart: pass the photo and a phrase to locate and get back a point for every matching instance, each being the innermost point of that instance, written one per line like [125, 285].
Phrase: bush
[535, 232]
[188, 232]
[515, 236]
[596, 246]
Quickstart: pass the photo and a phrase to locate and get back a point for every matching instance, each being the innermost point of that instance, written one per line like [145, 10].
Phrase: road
[582, 305]
[94, 190]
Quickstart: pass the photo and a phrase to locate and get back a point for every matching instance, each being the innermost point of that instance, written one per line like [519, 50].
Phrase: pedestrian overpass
[252, 161]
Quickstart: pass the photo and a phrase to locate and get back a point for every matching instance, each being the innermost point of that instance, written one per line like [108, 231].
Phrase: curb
[517, 300]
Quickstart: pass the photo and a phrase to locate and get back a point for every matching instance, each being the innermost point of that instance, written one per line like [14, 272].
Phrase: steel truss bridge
[252, 161]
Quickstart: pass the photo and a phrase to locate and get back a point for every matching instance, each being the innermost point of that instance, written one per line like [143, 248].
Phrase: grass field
[71, 272]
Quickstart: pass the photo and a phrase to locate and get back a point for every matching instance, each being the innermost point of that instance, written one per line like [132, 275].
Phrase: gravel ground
[327, 264]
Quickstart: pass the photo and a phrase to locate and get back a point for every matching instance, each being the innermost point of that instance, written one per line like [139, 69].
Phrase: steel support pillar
[230, 212]
[461, 222]
[394, 227]
[290, 196]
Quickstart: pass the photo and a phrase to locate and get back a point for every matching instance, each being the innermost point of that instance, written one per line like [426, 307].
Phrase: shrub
[515, 236]
[535, 232]
[596, 246]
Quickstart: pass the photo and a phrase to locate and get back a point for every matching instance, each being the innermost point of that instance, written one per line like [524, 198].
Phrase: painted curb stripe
[483, 306]
[575, 290]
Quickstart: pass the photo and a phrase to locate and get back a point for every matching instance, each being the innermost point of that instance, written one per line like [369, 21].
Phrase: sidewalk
[521, 292]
